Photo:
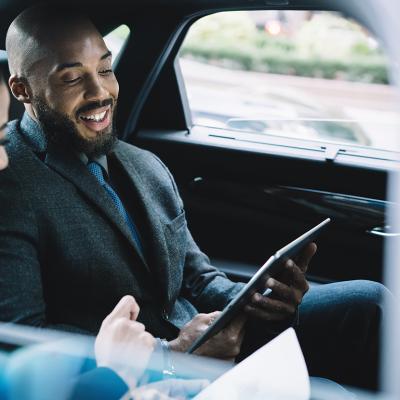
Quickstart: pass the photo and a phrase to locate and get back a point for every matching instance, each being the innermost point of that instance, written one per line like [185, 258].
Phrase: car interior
[244, 198]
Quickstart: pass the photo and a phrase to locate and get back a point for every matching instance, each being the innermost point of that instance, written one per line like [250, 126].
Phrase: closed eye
[72, 80]
[106, 71]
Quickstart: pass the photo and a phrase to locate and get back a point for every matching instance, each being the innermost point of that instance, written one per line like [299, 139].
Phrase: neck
[31, 112]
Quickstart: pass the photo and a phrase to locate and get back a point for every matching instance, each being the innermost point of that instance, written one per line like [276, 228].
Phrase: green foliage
[359, 69]
[325, 47]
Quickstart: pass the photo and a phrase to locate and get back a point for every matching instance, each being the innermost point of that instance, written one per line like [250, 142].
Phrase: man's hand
[122, 343]
[288, 290]
[226, 344]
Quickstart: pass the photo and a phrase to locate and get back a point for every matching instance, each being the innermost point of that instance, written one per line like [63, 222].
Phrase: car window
[314, 76]
[116, 39]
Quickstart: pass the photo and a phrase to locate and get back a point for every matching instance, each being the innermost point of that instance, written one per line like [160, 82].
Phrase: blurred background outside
[302, 74]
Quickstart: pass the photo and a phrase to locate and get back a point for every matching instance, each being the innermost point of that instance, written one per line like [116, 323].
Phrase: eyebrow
[62, 66]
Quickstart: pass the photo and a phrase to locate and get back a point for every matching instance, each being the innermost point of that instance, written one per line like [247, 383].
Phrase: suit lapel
[68, 166]
[72, 169]
[158, 250]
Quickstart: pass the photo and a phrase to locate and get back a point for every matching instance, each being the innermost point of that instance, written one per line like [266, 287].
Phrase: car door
[257, 170]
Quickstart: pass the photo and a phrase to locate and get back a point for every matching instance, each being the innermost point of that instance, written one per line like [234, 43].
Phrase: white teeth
[95, 117]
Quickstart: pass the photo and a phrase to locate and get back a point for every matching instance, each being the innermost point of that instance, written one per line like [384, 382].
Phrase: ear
[20, 89]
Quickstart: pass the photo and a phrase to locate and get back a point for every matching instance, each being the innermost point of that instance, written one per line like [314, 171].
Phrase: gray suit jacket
[67, 256]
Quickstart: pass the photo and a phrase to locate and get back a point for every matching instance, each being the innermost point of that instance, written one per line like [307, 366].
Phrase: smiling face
[72, 89]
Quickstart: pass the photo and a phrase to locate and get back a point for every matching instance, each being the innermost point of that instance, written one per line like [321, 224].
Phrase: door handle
[382, 232]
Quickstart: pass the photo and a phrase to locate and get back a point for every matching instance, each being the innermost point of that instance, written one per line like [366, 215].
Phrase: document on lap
[276, 371]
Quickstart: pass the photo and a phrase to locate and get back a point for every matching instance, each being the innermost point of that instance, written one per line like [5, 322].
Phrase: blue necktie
[96, 170]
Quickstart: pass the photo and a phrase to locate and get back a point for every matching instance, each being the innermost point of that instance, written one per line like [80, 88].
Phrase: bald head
[61, 69]
[36, 32]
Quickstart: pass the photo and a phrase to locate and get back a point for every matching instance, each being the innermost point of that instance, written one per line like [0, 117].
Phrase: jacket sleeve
[60, 369]
[99, 383]
[21, 292]
[207, 288]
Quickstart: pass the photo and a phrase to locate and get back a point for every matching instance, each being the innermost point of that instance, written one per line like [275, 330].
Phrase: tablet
[257, 282]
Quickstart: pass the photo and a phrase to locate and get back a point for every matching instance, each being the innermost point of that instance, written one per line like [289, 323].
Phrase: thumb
[209, 318]
[127, 308]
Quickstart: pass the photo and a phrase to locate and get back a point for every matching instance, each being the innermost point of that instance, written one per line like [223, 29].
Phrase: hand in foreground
[170, 389]
[122, 343]
[225, 345]
[288, 290]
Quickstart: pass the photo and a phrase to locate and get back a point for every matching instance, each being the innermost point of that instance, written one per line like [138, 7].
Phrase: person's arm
[21, 292]
[207, 288]
[123, 344]
[99, 383]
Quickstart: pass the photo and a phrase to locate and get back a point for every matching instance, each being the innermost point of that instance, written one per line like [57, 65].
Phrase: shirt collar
[33, 133]
[37, 139]
[101, 160]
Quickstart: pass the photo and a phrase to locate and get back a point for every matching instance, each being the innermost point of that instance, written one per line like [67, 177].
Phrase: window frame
[362, 156]
[117, 57]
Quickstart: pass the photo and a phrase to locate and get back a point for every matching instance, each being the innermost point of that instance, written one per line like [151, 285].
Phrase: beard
[61, 131]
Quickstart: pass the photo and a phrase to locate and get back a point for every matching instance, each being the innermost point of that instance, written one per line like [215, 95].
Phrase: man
[122, 350]
[94, 219]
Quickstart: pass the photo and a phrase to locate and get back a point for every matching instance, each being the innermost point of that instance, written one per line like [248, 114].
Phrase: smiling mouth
[95, 117]
[97, 120]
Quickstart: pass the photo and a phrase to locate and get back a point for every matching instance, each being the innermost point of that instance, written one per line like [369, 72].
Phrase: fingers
[279, 289]
[305, 256]
[293, 278]
[212, 315]
[291, 287]
[263, 314]
[126, 308]
[271, 309]
[299, 280]
[124, 325]
[226, 344]
[285, 299]
[207, 319]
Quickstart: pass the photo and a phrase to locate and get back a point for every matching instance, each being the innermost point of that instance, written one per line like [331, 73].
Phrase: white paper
[276, 371]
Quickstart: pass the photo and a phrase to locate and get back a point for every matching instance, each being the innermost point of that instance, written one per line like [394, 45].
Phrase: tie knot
[96, 170]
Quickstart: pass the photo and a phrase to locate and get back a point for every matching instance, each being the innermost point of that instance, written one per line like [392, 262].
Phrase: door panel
[246, 195]
[242, 206]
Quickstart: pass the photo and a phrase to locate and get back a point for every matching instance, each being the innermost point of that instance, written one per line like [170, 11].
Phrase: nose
[94, 90]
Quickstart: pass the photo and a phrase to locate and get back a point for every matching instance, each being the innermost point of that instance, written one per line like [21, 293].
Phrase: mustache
[94, 105]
